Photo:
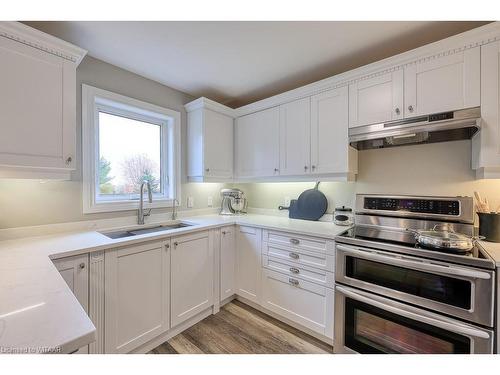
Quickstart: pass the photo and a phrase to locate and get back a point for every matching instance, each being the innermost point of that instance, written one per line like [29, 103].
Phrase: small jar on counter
[343, 216]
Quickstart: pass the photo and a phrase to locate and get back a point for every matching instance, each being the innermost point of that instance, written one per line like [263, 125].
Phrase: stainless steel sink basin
[138, 231]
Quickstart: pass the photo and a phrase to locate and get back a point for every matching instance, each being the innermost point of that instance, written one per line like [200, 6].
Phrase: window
[126, 142]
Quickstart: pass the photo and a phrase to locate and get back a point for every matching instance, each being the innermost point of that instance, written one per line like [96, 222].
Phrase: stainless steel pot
[444, 239]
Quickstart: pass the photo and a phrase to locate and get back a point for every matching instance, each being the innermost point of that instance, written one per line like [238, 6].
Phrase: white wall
[34, 202]
[433, 169]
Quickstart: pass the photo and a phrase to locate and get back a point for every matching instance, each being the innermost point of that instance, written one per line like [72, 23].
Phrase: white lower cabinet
[75, 271]
[191, 275]
[137, 295]
[249, 263]
[302, 302]
[227, 262]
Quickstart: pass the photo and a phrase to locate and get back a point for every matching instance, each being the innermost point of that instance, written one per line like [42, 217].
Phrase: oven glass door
[446, 289]
[369, 329]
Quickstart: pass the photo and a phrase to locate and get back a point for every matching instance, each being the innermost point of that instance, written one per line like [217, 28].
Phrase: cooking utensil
[312, 204]
[482, 204]
[445, 239]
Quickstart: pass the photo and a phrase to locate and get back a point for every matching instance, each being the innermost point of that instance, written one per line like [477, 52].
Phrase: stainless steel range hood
[439, 127]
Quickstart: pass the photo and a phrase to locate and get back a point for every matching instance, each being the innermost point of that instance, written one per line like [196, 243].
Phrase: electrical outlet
[190, 202]
[287, 201]
[210, 201]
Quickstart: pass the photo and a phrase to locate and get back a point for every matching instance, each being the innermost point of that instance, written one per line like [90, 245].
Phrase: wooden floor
[240, 329]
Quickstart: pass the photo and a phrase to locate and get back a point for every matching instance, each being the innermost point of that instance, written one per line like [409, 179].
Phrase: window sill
[108, 206]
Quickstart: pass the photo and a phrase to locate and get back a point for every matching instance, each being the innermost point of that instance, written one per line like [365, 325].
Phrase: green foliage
[105, 185]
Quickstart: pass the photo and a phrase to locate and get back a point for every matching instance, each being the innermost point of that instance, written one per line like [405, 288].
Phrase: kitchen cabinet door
[301, 301]
[257, 144]
[377, 99]
[330, 150]
[37, 112]
[486, 143]
[227, 262]
[249, 267]
[443, 83]
[210, 141]
[192, 276]
[295, 135]
[137, 295]
[75, 271]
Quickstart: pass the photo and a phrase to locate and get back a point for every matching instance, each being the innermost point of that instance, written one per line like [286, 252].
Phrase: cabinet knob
[167, 246]
[313, 167]
[69, 159]
[306, 167]
[276, 170]
[294, 282]
[176, 244]
[207, 169]
[294, 255]
[294, 270]
[223, 232]
[410, 108]
[294, 241]
[81, 266]
[398, 111]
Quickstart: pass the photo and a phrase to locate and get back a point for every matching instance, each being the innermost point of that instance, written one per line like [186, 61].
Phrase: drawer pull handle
[294, 282]
[294, 241]
[81, 266]
[294, 270]
[294, 255]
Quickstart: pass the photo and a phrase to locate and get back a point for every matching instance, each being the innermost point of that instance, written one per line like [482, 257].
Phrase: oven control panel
[424, 206]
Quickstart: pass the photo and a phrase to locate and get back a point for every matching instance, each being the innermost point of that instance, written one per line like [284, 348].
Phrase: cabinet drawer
[305, 303]
[321, 245]
[313, 275]
[299, 256]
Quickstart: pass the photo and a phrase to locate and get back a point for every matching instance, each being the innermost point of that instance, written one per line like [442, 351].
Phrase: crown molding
[209, 104]
[37, 39]
[470, 39]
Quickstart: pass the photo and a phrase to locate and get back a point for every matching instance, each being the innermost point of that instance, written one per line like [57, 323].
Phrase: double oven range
[394, 296]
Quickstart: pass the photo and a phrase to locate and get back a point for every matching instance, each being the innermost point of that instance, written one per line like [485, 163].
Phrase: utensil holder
[489, 226]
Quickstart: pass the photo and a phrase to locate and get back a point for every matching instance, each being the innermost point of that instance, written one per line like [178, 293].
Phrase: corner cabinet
[486, 143]
[137, 295]
[257, 139]
[248, 261]
[192, 267]
[37, 103]
[75, 271]
[210, 141]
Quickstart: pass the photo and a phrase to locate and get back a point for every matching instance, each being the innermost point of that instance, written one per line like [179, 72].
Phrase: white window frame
[95, 100]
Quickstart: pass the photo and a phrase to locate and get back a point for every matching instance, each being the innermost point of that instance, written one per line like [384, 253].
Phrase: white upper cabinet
[257, 144]
[377, 99]
[486, 143]
[210, 141]
[330, 150]
[443, 83]
[37, 103]
[295, 137]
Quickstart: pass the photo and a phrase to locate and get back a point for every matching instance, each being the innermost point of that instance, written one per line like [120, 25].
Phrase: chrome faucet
[175, 202]
[140, 212]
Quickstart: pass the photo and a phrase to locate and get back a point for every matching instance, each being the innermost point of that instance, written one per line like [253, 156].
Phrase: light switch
[190, 202]
[210, 201]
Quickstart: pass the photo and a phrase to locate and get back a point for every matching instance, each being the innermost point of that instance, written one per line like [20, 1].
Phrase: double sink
[138, 231]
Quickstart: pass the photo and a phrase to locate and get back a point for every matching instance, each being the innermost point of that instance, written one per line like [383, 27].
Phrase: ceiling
[236, 63]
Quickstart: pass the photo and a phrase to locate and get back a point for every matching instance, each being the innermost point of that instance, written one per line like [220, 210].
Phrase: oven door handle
[448, 325]
[453, 271]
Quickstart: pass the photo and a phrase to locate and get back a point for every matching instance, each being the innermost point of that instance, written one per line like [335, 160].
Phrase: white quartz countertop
[493, 250]
[39, 313]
